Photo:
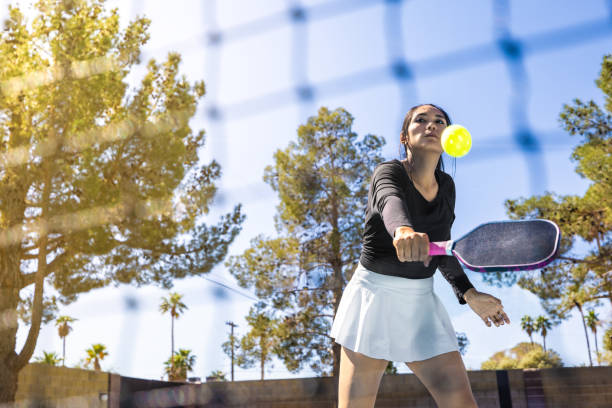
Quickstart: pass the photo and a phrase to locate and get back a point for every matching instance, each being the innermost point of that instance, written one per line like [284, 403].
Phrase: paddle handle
[440, 248]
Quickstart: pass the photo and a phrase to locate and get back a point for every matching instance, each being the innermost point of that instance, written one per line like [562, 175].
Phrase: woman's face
[425, 129]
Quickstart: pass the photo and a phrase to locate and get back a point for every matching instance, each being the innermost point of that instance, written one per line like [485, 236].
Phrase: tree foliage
[50, 358]
[179, 365]
[523, 355]
[100, 182]
[95, 354]
[322, 182]
[216, 375]
[607, 346]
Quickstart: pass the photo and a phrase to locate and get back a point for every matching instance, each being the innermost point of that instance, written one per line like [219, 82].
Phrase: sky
[344, 52]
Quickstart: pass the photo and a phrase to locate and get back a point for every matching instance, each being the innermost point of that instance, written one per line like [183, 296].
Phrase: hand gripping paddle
[504, 246]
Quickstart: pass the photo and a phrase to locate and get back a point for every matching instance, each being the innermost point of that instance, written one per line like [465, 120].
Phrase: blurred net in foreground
[397, 70]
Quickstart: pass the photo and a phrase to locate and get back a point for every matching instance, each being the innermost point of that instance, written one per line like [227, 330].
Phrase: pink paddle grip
[437, 248]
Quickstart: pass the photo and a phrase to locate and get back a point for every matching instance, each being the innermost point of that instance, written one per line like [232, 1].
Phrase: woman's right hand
[411, 246]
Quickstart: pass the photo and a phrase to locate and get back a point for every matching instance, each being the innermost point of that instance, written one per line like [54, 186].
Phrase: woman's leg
[359, 379]
[446, 379]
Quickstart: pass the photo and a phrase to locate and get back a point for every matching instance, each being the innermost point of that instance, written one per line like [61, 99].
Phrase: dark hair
[408, 119]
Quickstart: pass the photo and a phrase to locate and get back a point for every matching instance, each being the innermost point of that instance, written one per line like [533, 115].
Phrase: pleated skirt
[392, 318]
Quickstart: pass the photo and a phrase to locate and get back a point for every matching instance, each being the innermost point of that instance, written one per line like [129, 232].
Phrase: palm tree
[216, 375]
[179, 365]
[578, 306]
[543, 325]
[50, 358]
[527, 324]
[63, 328]
[95, 354]
[175, 307]
[592, 321]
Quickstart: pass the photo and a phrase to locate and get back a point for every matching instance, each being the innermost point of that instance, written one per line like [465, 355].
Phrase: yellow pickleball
[456, 140]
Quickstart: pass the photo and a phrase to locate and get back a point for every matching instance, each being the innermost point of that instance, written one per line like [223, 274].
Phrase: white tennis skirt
[392, 318]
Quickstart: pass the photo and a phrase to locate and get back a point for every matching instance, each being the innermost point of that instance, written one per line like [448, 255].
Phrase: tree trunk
[262, 369]
[336, 350]
[336, 263]
[544, 343]
[8, 382]
[338, 289]
[586, 334]
[596, 347]
[64, 352]
[263, 355]
[232, 353]
[171, 336]
[10, 362]
[8, 332]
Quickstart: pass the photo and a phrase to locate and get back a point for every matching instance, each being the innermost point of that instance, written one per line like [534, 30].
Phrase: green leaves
[178, 366]
[123, 167]
[604, 82]
[521, 356]
[95, 354]
[173, 304]
[49, 357]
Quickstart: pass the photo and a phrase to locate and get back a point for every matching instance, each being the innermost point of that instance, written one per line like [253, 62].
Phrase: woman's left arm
[489, 308]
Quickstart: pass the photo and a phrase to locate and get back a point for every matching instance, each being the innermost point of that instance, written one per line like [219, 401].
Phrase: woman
[388, 311]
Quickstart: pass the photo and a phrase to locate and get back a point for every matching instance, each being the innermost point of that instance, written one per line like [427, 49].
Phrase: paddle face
[509, 246]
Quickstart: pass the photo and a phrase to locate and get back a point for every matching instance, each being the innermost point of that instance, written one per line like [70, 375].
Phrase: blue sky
[344, 51]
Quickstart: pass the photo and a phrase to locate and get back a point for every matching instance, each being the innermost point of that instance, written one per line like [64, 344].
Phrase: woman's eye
[440, 121]
[419, 120]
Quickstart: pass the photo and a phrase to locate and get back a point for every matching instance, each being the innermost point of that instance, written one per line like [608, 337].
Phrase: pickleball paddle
[504, 246]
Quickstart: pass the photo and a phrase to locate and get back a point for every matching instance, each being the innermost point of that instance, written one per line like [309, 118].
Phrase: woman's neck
[422, 170]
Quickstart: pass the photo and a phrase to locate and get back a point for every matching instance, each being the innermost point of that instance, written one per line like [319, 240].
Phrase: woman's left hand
[488, 307]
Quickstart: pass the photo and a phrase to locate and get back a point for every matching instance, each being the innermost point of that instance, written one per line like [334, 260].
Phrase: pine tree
[322, 183]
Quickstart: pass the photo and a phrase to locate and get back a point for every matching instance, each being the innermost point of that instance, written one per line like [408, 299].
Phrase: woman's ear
[403, 138]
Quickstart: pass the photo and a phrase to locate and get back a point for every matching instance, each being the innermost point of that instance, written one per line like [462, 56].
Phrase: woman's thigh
[446, 379]
[359, 379]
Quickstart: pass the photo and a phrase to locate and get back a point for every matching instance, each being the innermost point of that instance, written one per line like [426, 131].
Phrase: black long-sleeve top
[394, 201]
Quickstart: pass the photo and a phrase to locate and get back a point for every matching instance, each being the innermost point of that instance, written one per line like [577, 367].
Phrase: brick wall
[42, 385]
[46, 386]
[588, 387]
